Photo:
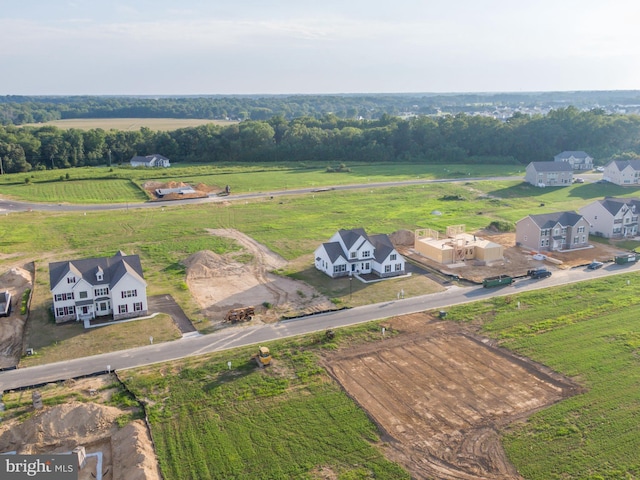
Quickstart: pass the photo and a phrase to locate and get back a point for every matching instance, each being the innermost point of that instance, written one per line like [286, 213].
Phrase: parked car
[599, 169]
[539, 273]
[578, 180]
[595, 265]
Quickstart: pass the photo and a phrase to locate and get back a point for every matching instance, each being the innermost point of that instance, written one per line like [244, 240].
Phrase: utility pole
[109, 152]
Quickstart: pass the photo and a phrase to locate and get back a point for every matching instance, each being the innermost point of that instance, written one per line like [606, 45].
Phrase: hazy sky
[154, 47]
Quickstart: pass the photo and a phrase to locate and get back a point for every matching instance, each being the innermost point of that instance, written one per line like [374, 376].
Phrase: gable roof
[572, 153]
[613, 205]
[548, 220]
[113, 269]
[350, 237]
[622, 164]
[148, 159]
[551, 166]
[383, 246]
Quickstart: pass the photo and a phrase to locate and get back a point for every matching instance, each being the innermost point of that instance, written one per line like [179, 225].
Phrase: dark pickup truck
[539, 273]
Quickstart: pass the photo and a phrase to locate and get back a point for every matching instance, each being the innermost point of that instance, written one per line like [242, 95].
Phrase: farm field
[129, 124]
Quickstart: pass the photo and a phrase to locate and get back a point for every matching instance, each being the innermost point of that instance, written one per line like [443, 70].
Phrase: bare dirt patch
[441, 394]
[16, 281]
[516, 261]
[125, 453]
[219, 283]
[200, 190]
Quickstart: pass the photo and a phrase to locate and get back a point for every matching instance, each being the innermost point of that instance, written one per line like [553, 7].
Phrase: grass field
[287, 421]
[129, 124]
[290, 421]
[588, 331]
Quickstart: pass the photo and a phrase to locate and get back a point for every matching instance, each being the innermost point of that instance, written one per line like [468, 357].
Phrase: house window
[354, 254]
[366, 254]
[584, 239]
[556, 231]
[398, 267]
[576, 239]
[581, 229]
[83, 294]
[100, 292]
[63, 311]
[393, 257]
[137, 307]
[387, 268]
[123, 308]
[103, 306]
[542, 243]
[63, 296]
[367, 266]
[71, 279]
[99, 276]
[339, 268]
[129, 293]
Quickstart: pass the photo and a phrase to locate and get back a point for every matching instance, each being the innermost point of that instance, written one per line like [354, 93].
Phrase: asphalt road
[247, 335]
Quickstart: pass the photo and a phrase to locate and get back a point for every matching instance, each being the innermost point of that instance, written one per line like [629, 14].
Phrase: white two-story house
[613, 217]
[98, 287]
[353, 252]
[622, 172]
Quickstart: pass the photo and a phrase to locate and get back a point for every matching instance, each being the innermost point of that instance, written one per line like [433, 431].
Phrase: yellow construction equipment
[263, 357]
[242, 314]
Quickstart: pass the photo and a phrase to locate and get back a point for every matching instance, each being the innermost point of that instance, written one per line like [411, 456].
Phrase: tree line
[457, 138]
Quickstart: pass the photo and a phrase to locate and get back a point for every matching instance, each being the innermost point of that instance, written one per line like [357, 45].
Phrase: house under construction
[456, 246]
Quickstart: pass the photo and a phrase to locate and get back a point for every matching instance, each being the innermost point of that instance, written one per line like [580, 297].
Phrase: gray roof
[113, 269]
[572, 153]
[383, 246]
[334, 251]
[613, 205]
[350, 237]
[552, 166]
[548, 220]
[622, 164]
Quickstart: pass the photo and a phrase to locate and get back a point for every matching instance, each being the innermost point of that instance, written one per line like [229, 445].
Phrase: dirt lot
[516, 260]
[125, 453]
[16, 281]
[441, 394]
[222, 282]
[201, 190]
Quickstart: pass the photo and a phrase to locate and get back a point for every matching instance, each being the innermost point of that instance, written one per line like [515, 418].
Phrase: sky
[205, 47]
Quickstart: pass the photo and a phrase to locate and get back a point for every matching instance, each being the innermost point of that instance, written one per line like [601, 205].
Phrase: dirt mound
[135, 453]
[15, 278]
[64, 426]
[220, 282]
[127, 453]
[402, 237]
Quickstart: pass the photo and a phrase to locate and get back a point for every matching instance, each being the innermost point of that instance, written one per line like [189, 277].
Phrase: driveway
[166, 304]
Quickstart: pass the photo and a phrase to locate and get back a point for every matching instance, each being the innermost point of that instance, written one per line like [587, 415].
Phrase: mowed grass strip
[591, 332]
[77, 191]
[285, 421]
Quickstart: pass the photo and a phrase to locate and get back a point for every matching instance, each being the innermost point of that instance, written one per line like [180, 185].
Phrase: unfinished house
[456, 246]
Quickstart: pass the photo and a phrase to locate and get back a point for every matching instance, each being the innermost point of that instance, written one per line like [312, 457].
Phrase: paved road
[247, 335]
[19, 206]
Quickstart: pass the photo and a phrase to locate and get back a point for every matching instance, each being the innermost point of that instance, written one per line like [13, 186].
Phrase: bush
[501, 226]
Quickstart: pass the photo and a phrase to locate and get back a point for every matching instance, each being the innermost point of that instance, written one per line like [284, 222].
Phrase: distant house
[553, 231]
[350, 252]
[622, 172]
[150, 161]
[613, 217]
[549, 174]
[578, 160]
[5, 304]
[98, 287]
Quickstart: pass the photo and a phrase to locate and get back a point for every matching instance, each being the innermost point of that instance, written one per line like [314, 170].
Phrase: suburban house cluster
[558, 173]
[622, 172]
[609, 218]
[353, 252]
[150, 161]
[108, 287]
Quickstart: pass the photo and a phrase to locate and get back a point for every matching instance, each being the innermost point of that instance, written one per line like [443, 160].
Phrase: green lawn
[590, 332]
[286, 421]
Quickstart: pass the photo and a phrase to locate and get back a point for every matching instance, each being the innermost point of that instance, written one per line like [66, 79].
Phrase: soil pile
[219, 283]
[16, 281]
